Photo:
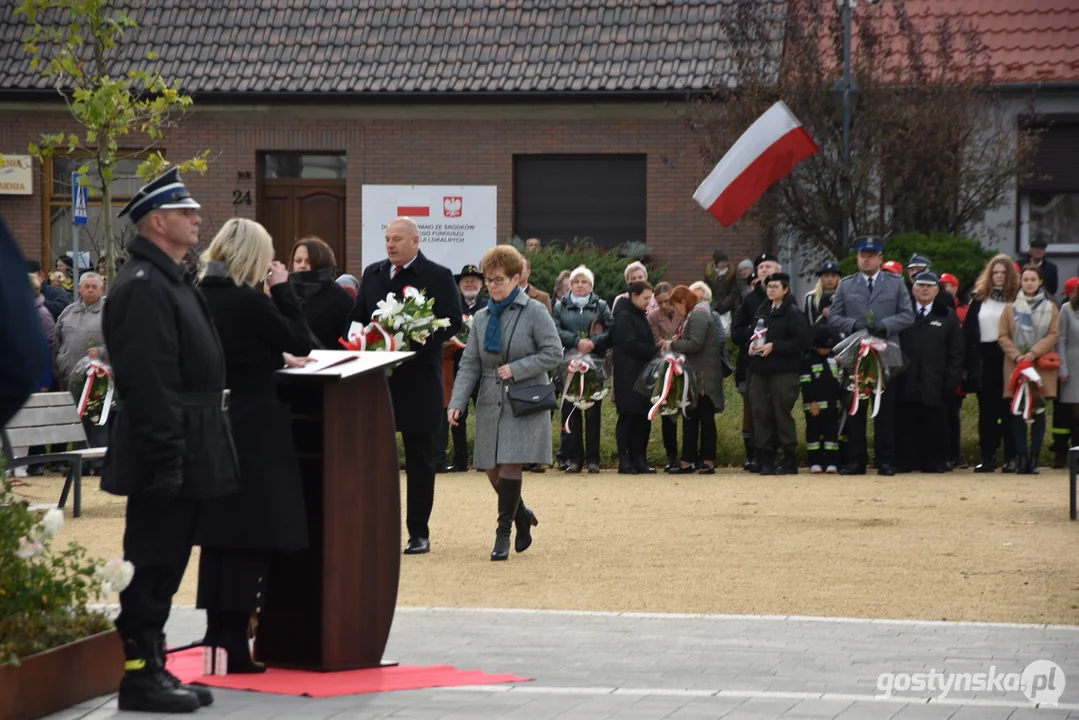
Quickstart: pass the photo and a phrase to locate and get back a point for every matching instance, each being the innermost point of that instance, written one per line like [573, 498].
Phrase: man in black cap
[1036, 257]
[170, 446]
[878, 302]
[742, 331]
[473, 299]
[933, 346]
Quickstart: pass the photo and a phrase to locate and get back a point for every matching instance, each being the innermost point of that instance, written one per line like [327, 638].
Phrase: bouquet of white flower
[413, 317]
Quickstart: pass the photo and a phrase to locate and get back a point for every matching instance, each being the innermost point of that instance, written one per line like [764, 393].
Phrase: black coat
[268, 511]
[1050, 274]
[23, 359]
[478, 304]
[634, 345]
[933, 346]
[789, 333]
[326, 307]
[169, 371]
[416, 385]
[742, 327]
[56, 299]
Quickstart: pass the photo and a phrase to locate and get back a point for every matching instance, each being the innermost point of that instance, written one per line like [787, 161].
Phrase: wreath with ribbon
[1025, 386]
[584, 384]
[867, 376]
[96, 399]
[671, 396]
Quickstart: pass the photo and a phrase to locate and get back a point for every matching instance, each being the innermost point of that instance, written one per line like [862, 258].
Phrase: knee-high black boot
[509, 496]
[232, 636]
[523, 519]
[623, 433]
[642, 429]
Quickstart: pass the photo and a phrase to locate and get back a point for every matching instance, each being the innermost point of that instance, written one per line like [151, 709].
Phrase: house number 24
[241, 197]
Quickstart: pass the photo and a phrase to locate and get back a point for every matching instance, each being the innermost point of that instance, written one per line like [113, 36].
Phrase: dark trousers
[572, 447]
[856, 448]
[1019, 428]
[232, 579]
[460, 438]
[669, 425]
[923, 444]
[994, 411]
[955, 429]
[631, 432]
[157, 541]
[1062, 427]
[772, 398]
[420, 482]
[822, 435]
[699, 431]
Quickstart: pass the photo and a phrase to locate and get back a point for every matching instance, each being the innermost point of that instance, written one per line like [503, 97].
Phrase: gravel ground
[934, 547]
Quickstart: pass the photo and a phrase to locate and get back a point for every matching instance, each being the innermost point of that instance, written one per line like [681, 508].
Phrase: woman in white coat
[513, 343]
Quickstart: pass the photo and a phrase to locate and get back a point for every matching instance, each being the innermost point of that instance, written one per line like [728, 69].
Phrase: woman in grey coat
[513, 342]
[1068, 348]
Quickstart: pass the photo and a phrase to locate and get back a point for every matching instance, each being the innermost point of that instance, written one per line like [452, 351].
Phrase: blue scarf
[492, 334]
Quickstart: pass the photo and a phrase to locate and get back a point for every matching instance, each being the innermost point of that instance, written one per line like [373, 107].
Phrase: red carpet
[187, 665]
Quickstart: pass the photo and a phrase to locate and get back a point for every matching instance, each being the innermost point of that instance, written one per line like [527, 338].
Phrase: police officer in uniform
[934, 349]
[878, 302]
[170, 446]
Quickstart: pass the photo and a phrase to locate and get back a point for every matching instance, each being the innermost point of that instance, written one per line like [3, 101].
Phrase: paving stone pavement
[637, 666]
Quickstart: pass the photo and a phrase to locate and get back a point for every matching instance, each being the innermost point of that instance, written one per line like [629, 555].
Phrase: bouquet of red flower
[460, 340]
[93, 379]
[371, 338]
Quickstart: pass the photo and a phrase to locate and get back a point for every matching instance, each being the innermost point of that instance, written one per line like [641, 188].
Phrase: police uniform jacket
[169, 372]
[890, 303]
[416, 385]
[933, 346]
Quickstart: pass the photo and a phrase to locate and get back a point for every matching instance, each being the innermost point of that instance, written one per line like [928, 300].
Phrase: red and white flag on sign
[413, 207]
[766, 152]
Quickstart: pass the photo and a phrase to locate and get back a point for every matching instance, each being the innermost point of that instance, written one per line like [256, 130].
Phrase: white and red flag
[413, 206]
[766, 152]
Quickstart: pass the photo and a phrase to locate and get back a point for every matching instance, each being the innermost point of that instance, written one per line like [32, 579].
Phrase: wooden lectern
[330, 607]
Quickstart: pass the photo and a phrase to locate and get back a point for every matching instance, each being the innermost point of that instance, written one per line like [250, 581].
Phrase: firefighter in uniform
[170, 446]
[878, 302]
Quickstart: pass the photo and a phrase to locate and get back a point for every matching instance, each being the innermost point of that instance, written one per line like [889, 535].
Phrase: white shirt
[874, 278]
[925, 308]
[989, 319]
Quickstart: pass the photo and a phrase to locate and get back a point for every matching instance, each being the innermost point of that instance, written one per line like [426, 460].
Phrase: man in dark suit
[24, 357]
[879, 303]
[415, 386]
[1036, 256]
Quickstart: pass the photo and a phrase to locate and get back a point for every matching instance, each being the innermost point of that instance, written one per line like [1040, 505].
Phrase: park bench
[51, 419]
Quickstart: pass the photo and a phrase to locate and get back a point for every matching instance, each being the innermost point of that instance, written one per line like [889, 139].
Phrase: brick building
[570, 111]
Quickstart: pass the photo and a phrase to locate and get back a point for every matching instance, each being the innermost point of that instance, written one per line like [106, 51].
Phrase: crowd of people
[201, 445]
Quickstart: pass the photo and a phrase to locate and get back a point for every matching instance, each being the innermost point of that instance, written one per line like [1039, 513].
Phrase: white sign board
[458, 224]
[16, 175]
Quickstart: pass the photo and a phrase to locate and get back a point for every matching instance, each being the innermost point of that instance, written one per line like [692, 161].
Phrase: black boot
[509, 497]
[765, 463]
[202, 693]
[1012, 465]
[146, 687]
[751, 464]
[235, 641]
[789, 465]
[524, 520]
[625, 465]
[640, 464]
[987, 465]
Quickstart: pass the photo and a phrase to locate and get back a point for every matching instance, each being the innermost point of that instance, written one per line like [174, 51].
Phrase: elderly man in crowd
[78, 335]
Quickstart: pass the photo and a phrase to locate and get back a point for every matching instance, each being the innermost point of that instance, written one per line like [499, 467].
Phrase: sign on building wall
[457, 223]
[16, 175]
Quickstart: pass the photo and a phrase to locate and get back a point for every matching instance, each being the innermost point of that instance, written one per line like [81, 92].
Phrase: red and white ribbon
[577, 367]
[357, 337]
[674, 367]
[97, 369]
[1022, 386]
[868, 345]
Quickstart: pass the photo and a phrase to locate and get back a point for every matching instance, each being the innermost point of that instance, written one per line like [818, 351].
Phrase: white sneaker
[816, 470]
[19, 472]
[832, 470]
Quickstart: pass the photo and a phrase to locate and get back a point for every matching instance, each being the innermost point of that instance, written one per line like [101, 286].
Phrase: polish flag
[413, 207]
[766, 152]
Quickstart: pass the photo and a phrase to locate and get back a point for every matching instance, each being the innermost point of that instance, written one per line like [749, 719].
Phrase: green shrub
[44, 592]
[607, 265]
[960, 256]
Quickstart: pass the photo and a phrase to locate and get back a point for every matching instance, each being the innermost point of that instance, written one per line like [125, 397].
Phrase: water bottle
[759, 333]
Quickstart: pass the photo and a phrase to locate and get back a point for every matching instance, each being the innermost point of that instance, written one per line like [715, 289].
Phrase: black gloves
[166, 485]
[877, 330]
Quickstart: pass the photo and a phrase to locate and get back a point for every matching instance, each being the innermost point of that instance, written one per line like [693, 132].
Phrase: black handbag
[530, 399]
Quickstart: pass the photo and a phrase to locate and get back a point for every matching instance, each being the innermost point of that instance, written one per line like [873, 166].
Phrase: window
[561, 197]
[58, 214]
[300, 166]
[1049, 200]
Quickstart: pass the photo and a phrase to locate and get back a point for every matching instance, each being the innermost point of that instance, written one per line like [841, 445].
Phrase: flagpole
[846, 123]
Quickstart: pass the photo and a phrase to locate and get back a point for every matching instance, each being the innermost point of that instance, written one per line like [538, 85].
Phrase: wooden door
[291, 208]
